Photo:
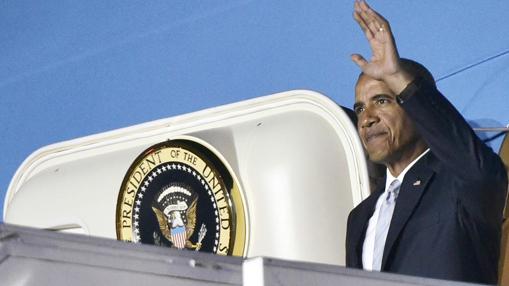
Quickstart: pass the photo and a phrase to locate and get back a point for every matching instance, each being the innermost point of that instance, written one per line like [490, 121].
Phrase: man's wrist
[409, 90]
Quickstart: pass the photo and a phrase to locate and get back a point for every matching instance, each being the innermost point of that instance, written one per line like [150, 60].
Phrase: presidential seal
[179, 194]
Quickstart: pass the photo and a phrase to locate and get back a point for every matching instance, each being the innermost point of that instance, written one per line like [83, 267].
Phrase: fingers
[364, 27]
[368, 19]
[374, 14]
[362, 23]
[359, 60]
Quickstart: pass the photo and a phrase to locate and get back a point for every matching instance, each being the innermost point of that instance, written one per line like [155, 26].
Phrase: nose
[368, 118]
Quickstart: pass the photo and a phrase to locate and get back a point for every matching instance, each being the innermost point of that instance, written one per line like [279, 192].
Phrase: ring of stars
[168, 167]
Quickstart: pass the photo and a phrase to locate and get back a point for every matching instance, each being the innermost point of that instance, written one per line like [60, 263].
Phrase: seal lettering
[174, 196]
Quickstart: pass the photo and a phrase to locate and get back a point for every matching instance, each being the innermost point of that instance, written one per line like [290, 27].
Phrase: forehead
[367, 88]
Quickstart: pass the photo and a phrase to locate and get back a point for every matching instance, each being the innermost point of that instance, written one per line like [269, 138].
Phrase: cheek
[397, 128]
[363, 142]
[360, 132]
[405, 133]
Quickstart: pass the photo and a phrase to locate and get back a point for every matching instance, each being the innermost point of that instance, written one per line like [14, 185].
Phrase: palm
[382, 59]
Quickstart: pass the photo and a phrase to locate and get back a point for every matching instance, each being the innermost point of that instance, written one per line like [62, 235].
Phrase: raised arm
[443, 128]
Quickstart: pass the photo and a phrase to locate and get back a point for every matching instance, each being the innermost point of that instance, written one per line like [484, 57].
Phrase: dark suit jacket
[448, 215]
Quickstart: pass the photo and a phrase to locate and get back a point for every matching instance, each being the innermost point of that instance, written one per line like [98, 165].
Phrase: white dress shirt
[369, 240]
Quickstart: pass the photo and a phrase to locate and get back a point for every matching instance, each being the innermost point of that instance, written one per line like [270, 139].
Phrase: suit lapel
[413, 187]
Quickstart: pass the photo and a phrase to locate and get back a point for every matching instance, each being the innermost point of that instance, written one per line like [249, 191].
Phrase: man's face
[386, 132]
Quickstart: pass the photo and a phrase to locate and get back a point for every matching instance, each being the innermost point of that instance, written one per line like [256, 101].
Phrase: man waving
[439, 212]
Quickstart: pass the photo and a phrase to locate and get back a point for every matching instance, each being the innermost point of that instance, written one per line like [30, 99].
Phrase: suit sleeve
[348, 244]
[455, 144]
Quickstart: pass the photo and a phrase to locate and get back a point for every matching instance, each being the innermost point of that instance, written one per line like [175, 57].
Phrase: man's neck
[398, 166]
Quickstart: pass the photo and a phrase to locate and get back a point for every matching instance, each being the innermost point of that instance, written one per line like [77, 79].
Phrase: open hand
[385, 59]
[385, 64]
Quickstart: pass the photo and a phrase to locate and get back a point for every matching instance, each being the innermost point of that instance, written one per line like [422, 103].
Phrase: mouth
[374, 135]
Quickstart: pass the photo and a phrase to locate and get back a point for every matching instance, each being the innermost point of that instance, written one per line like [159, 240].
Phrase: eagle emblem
[175, 209]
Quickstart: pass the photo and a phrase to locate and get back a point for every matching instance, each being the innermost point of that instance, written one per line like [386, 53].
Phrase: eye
[382, 101]
[358, 109]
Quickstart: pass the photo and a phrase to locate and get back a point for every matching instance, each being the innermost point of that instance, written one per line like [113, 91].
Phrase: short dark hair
[418, 69]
